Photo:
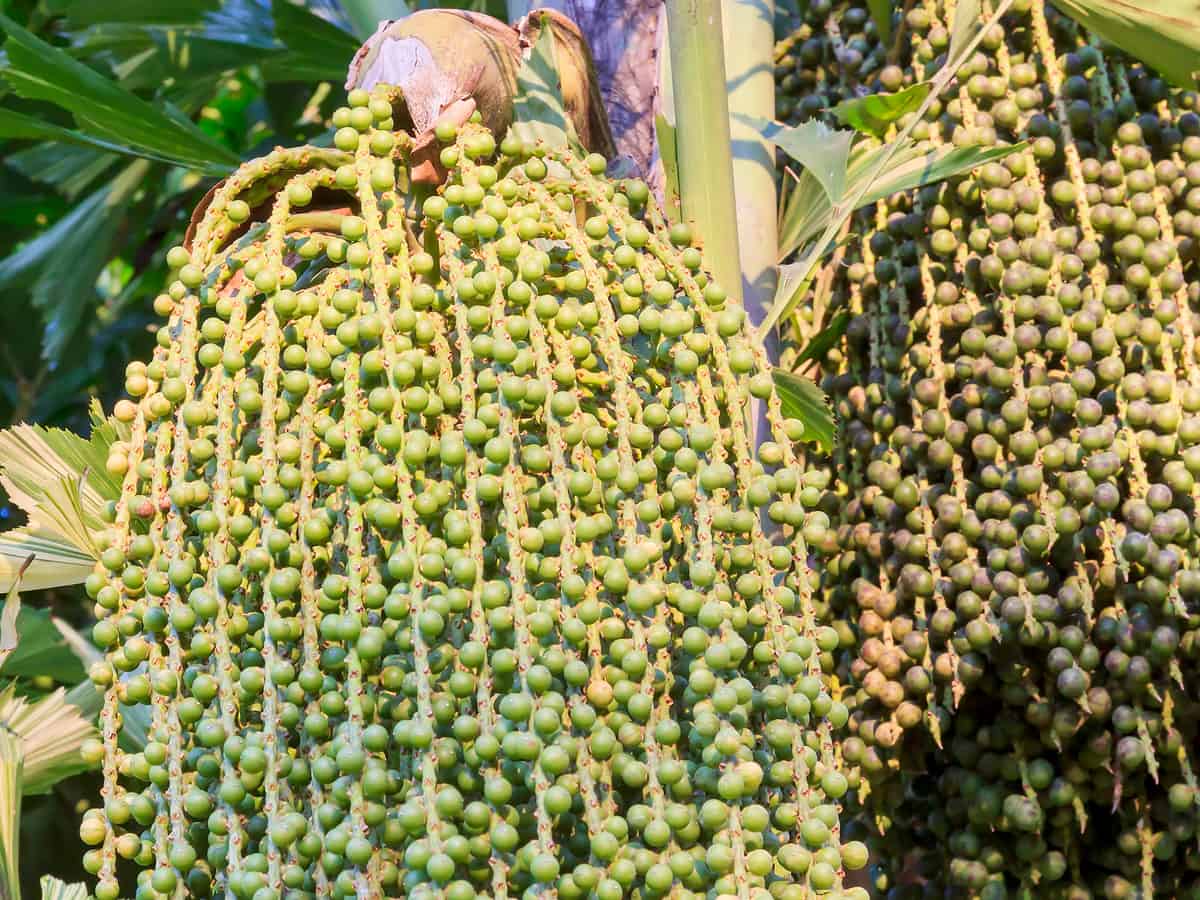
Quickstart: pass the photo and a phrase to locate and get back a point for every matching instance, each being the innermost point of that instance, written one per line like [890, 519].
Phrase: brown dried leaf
[581, 96]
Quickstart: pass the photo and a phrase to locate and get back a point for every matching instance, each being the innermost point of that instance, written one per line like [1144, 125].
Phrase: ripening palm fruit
[1016, 548]
[444, 558]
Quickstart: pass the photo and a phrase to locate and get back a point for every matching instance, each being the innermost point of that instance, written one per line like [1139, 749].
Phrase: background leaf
[38, 71]
[69, 257]
[881, 14]
[42, 650]
[22, 127]
[802, 399]
[365, 15]
[313, 48]
[68, 169]
[141, 12]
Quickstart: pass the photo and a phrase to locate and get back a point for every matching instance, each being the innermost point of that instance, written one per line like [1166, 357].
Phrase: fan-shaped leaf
[56, 889]
[58, 478]
[62, 483]
[56, 561]
[52, 730]
[10, 813]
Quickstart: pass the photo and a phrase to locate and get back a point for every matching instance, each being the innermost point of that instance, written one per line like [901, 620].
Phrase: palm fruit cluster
[1014, 551]
[444, 558]
[833, 54]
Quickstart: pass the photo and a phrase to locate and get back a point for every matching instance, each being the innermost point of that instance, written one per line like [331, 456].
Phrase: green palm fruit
[1015, 549]
[444, 558]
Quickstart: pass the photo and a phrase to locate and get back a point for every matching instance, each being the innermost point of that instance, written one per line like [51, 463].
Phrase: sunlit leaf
[1165, 34]
[834, 221]
[103, 109]
[875, 113]
[823, 151]
[538, 112]
[806, 210]
[34, 464]
[921, 167]
[62, 483]
[106, 430]
[802, 399]
[968, 20]
[791, 286]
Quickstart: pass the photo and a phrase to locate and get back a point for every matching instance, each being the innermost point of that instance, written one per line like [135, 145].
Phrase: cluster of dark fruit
[1014, 552]
[445, 560]
[833, 54]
